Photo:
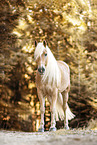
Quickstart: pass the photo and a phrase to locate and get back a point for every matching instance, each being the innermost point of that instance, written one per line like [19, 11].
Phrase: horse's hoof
[41, 130]
[52, 129]
[66, 127]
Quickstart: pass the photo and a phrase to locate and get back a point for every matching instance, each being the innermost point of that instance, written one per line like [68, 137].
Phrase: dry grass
[92, 125]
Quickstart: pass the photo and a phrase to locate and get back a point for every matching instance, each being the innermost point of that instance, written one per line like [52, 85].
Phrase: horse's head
[41, 56]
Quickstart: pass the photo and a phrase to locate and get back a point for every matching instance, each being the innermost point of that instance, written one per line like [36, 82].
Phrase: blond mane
[52, 72]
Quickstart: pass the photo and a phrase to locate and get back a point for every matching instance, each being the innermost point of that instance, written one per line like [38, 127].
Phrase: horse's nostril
[41, 70]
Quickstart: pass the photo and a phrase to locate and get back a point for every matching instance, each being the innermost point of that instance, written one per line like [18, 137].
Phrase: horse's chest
[47, 90]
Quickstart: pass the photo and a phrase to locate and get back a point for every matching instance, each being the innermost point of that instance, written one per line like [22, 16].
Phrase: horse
[53, 82]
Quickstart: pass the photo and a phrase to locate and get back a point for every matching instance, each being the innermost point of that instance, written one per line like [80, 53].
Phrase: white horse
[53, 82]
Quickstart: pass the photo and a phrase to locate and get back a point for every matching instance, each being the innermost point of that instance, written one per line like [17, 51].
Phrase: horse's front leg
[53, 110]
[42, 110]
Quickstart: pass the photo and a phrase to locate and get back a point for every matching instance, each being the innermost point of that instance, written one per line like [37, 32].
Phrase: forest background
[70, 28]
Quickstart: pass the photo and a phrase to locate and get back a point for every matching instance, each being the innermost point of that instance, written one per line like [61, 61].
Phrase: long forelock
[39, 50]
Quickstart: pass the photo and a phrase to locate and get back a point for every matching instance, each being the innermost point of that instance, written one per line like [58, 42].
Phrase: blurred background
[70, 29]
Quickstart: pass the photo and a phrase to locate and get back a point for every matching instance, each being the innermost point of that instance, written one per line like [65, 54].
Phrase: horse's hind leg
[65, 99]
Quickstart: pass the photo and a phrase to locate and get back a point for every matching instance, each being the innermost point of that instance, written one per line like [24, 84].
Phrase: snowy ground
[60, 137]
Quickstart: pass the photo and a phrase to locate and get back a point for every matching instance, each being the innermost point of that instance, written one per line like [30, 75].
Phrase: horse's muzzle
[41, 70]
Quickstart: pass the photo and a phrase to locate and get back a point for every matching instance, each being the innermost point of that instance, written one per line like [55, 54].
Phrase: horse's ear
[35, 43]
[44, 43]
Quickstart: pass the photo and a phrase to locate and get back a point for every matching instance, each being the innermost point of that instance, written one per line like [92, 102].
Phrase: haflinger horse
[53, 82]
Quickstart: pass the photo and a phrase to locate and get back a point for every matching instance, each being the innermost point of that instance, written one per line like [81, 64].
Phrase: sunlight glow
[19, 34]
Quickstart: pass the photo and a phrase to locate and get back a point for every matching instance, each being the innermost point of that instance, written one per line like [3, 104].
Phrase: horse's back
[64, 65]
[65, 75]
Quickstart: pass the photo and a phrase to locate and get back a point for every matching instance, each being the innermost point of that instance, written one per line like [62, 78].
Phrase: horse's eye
[45, 54]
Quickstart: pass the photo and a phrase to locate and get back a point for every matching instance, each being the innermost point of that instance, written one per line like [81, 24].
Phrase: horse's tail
[69, 114]
[59, 109]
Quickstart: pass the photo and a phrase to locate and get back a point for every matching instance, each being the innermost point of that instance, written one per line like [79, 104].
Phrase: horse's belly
[65, 76]
[64, 84]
